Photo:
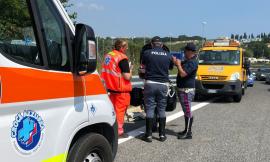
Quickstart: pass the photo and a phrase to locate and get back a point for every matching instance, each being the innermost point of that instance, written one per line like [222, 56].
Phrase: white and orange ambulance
[53, 105]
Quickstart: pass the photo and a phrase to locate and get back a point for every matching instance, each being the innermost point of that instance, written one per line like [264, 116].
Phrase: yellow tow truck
[222, 70]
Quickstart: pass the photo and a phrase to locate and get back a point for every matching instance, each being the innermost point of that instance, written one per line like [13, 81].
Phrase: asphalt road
[222, 131]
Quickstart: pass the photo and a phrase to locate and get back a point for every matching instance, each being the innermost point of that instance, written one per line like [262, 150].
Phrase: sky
[147, 18]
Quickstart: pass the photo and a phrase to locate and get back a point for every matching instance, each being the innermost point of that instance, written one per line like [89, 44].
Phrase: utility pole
[97, 46]
[103, 45]
[133, 54]
[203, 26]
[112, 41]
[170, 42]
[144, 40]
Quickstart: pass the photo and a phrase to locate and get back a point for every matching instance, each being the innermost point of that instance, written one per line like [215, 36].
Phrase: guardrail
[137, 82]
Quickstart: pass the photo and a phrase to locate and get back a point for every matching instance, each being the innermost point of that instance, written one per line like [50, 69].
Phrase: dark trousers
[155, 97]
[185, 101]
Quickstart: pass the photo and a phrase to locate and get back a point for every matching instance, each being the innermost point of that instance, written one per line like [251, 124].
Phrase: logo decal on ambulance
[27, 132]
[93, 109]
[107, 60]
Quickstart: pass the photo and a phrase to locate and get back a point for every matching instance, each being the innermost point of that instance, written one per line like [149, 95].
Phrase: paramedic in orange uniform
[117, 75]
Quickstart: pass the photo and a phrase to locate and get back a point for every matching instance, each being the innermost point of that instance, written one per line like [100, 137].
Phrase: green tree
[14, 17]
[245, 36]
[262, 35]
[237, 37]
[67, 5]
[259, 49]
[249, 53]
[241, 37]
[232, 36]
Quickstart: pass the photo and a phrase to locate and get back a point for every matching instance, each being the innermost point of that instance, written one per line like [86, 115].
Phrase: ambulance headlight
[235, 76]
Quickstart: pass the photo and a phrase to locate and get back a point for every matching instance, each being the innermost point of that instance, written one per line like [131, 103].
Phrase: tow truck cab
[221, 69]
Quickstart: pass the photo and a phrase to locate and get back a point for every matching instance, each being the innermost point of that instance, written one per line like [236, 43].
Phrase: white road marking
[138, 131]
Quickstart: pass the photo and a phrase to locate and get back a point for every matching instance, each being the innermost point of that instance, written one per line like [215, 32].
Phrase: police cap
[190, 47]
[156, 39]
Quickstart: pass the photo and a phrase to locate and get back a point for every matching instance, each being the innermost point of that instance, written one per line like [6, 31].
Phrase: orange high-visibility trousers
[120, 102]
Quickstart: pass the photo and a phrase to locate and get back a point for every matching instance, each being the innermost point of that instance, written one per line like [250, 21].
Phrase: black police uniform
[157, 63]
[146, 47]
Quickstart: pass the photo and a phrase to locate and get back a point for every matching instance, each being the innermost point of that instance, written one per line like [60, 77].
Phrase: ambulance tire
[91, 147]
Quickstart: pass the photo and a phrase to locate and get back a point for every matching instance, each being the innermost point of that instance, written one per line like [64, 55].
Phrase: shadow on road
[262, 82]
[224, 100]
[171, 132]
[128, 126]
[220, 99]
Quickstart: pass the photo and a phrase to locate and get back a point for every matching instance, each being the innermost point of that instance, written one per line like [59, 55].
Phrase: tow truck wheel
[91, 148]
[237, 98]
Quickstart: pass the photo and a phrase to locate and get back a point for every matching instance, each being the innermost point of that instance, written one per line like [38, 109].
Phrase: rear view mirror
[85, 50]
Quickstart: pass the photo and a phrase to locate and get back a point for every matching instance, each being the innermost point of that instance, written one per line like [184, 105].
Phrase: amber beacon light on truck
[222, 43]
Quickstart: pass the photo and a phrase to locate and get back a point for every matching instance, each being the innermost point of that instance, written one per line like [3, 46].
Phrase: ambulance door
[97, 100]
[42, 100]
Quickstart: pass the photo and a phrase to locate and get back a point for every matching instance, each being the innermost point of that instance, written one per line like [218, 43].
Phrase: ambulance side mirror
[85, 50]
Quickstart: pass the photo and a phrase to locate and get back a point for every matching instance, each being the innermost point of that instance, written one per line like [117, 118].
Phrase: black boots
[187, 133]
[149, 124]
[184, 131]
[162, 124]
[148, 135]
[155, 124]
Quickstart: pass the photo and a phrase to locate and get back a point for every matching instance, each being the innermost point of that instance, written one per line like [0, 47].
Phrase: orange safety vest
[111, 73]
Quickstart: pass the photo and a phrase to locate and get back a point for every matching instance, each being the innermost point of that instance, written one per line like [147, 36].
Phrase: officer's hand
[176, 61]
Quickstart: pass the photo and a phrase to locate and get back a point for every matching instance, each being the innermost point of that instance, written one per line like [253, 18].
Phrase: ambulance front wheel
[89, 148]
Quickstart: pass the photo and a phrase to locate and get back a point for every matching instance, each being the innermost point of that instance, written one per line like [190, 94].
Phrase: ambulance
[53, 104]
[222, 70]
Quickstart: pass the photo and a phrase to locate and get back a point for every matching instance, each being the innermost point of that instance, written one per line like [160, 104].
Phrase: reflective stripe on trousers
[185, 101]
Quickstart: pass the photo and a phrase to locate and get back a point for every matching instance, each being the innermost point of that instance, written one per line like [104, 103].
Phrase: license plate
[212, 91]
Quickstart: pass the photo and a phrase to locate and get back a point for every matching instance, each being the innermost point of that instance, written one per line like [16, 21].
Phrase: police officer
[186, 86]
[157, 63]
[141, 73]
[117, 75]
